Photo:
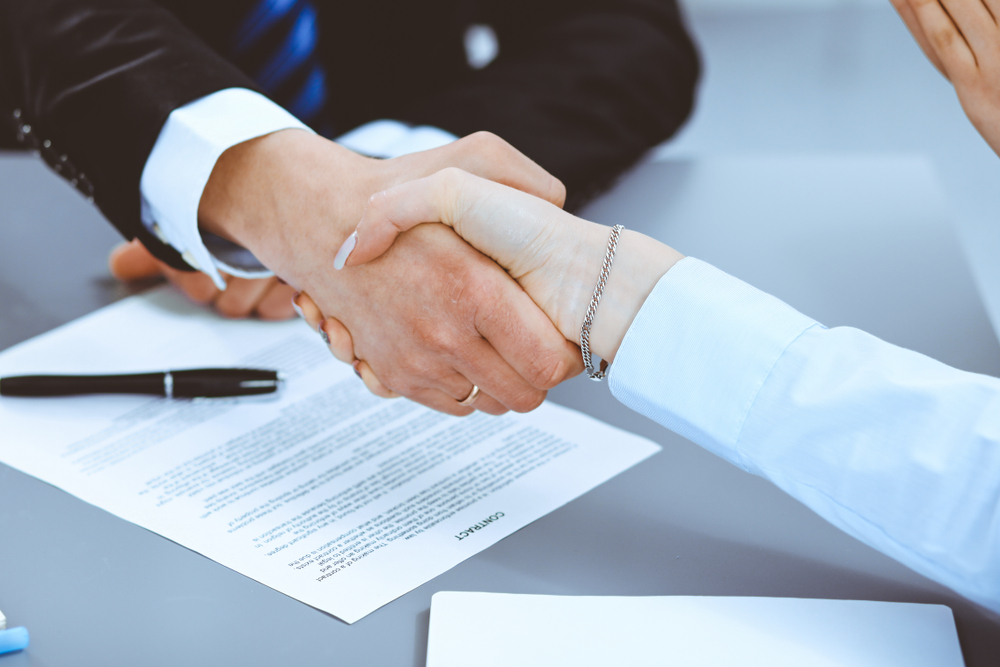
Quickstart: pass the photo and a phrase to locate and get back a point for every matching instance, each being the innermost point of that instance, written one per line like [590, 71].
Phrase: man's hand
[266, 298]
[555, 256]
[962, 39]
[432, 317]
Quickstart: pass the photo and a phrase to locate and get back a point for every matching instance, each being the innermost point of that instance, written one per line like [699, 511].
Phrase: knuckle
[558, 192]
[231, 309]
[274, 312]
[548, 370]
[382, 392]
[442, 340]
[199, 291]
[527, 401]
[452, 177]
[943, 39]
[375, 204]
[488, 143]
[399, 382]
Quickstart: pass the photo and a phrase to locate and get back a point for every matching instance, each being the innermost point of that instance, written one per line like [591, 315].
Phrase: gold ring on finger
[471, 398]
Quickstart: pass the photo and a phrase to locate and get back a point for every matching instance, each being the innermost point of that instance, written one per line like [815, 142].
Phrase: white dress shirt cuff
[698, 352]
[193, 139]
[178, 168]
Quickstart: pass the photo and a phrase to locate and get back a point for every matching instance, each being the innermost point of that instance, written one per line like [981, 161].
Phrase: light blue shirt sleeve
[894, 448]
[197, 134]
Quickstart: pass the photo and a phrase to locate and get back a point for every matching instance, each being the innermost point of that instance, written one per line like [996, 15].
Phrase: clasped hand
[432, 316]
[556, 257]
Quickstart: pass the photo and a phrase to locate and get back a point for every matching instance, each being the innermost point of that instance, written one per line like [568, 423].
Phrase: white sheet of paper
[325, 493]
[500, 630]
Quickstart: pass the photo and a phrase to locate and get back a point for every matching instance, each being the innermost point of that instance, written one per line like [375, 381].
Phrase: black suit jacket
[583, 87]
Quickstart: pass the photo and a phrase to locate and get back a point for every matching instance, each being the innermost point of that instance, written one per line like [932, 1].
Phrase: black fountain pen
[194, 383]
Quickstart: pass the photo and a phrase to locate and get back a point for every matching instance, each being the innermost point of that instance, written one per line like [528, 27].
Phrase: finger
[447, 400]
[364, 371]
[435, 399]
[974, 21]
[488, 156]
[308, 309]
[277, 303]
[526, 338]
[496, 220]
[444, 401]
[459, 386]
[196, 286]
[913, 25]
[944, 37]
[481, 365]
[400, 208]
[338, 339]
[131, 261]
[486, 403]
[242, 296]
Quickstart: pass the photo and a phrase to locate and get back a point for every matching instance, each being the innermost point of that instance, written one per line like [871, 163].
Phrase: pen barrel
[74, 385]
[218, 382]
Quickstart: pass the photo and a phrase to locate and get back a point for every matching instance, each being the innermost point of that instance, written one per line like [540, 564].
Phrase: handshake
[481, 315]
[478, 316]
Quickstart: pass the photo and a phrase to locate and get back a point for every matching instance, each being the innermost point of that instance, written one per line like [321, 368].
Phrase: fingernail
[356, 365]
[322, 332]
[295, 306]
[345, 251]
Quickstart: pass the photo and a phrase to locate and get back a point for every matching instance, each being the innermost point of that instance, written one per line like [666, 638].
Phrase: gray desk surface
[847, 240]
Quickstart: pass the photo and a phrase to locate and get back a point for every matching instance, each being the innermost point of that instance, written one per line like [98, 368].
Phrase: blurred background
[781, 77]
[840, 76]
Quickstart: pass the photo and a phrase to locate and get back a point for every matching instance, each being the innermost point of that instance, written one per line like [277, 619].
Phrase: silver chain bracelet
[588, 320]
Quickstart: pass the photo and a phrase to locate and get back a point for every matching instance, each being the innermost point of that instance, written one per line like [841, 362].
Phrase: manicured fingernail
[322, 332]
[295, 306]
[345, 251]
[356, 364]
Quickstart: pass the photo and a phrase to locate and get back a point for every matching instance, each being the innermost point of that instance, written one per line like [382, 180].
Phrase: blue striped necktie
[276, 45]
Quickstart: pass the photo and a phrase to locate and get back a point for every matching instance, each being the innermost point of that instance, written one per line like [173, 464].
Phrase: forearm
[97, 79]
[892, 447]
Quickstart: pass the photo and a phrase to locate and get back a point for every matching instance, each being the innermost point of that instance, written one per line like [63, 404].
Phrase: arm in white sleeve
[896, 449]
[197, 134]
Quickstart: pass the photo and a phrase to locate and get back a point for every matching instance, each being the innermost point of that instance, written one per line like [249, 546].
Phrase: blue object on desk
[15, 639]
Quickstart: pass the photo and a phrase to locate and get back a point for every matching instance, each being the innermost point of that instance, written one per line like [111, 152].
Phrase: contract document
[323, 492]
[585, 631]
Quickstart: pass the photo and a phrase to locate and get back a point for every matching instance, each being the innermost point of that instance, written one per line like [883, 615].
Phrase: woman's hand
[962, 39]
[555, 256]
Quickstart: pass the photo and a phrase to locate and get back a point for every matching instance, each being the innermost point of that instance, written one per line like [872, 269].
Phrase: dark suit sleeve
[93, 83]
[583, 87]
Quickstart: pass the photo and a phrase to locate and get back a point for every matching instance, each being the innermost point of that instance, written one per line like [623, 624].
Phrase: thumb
[392, 212]
[131, 261]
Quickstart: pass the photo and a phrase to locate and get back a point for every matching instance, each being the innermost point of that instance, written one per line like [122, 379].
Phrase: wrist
[285, 191]
[638, 265]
